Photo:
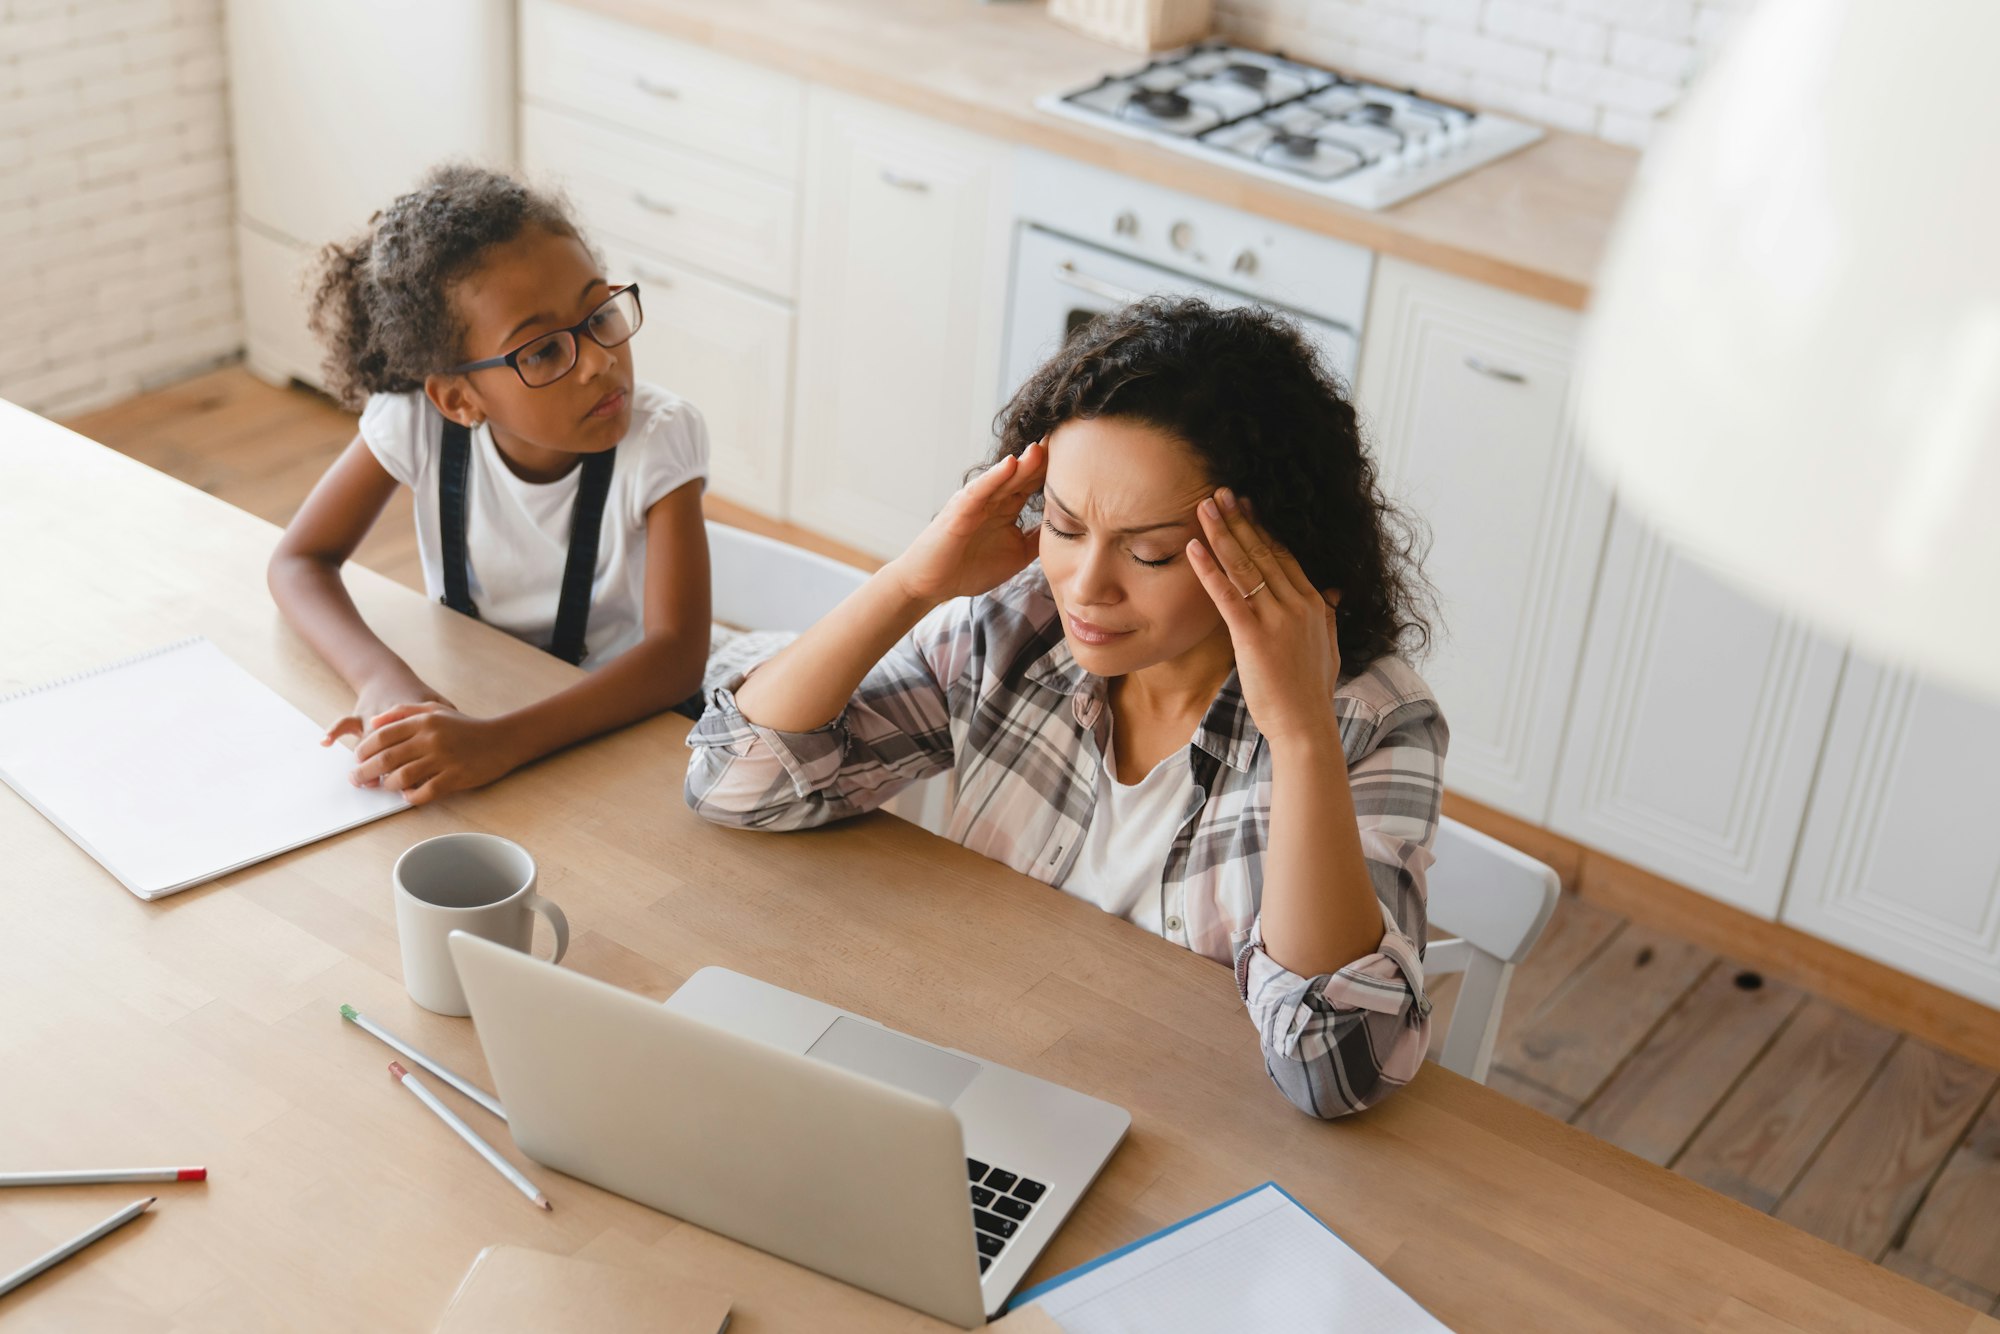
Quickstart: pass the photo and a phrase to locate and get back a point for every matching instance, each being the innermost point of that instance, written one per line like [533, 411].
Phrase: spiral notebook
[177, 766]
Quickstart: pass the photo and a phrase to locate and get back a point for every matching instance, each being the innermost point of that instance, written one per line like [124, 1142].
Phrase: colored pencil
[457, 1081]
[96, 1177]
[69, 1248]
[466, 1133]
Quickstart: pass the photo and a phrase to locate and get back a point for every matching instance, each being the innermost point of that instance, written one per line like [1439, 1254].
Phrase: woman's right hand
[976, 543]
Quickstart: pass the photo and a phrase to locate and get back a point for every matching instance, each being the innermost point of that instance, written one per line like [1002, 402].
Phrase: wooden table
[205, 1027]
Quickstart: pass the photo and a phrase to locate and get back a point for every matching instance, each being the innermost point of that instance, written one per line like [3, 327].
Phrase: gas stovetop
[1347, 139]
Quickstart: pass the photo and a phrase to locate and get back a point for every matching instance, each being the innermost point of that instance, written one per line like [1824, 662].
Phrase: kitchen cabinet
[727, 351]
[1698, 719]
[1900, 856]
[901, 287]
[1465, 395]
[682, 164]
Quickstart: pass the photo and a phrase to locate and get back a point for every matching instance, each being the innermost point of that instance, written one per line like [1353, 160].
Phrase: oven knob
[1181, 235]
[1245, 263]
[1126, 223]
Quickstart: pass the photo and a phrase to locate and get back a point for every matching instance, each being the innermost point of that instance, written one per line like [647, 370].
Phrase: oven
[1088, 241]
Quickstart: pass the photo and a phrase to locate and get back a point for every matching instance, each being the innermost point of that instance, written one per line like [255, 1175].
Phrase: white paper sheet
[178, 766]
[1260, 1262]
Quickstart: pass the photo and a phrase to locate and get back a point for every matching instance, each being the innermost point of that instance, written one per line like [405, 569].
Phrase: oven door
[1059, 284]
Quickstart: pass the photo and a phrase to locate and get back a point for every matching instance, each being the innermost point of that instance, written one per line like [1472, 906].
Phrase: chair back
[1498, 899]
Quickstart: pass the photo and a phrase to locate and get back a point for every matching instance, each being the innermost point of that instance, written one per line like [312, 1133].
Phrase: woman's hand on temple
[976, 542]
[1287, 655]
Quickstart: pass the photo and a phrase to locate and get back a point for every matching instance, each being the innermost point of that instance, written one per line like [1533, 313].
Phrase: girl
[1179, 696]
[555, 497]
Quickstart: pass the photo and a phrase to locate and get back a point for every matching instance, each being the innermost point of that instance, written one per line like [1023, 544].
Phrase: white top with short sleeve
[517, 533]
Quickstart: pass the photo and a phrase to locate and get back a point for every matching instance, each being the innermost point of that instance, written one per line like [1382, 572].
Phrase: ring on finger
[1258, 589]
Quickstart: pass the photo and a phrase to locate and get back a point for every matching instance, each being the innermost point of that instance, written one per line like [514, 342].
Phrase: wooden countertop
[1535, 223]
[204, 1028]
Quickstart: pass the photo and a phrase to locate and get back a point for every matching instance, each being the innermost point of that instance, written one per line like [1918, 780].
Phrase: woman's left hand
[1287, 657]
[427, 749]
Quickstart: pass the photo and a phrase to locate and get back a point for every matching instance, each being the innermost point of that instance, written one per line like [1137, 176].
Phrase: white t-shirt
[1132, 828]
[517, 533]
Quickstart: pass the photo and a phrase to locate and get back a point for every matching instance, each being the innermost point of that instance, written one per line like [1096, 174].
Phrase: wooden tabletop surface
[204, 1028]
[1535, 222]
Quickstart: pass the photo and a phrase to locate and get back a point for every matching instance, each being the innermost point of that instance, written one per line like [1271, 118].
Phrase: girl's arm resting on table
[428, 750]
[1341, 1033]
[304, 577]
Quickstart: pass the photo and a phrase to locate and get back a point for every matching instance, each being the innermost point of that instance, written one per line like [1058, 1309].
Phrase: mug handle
[557, 923]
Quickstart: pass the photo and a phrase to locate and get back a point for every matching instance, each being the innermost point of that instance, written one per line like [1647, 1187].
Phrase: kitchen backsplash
[116, 195]
[1610, 68]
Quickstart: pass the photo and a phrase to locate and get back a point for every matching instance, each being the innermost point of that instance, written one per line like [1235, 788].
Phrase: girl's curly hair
[1243, 388]
[382, 304]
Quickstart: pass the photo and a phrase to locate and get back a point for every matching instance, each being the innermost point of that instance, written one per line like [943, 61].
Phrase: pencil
[445, 1073]
[466, 1133]
[92, 1177]
[459, 1082]
[69, 1248]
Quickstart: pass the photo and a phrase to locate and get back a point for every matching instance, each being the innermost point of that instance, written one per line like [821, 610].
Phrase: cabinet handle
[902, 182]
[1069, 275]
[652, 205]
[1473, 363]
[662, 90]
[651, 277]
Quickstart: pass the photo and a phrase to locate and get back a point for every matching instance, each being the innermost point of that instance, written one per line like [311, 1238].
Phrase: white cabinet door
[1699, 716]
[728, 352]
[1465, 394]
[901, 303]
[1901, 854]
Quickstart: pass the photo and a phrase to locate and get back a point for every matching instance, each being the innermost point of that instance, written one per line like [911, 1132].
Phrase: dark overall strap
[452, 505]
[580, 571]
[585, 523]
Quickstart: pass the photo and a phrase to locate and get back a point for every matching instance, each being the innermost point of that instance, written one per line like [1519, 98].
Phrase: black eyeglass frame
[581, 330]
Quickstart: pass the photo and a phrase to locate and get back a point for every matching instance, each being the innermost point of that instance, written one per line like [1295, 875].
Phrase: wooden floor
[1759, 1090]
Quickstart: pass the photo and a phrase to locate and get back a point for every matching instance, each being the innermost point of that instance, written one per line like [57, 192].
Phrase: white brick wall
[1610, 68]
[117, 253]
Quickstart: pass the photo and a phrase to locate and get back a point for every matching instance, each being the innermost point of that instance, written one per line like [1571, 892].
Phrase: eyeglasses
[544, 360]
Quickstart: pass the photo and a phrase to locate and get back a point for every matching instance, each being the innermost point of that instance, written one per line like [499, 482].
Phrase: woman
[1177, 697]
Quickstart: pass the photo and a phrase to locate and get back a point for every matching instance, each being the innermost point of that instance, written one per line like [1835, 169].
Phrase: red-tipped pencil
[92, 1177]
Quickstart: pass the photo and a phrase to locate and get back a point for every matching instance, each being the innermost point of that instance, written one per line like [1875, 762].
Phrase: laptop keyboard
[1001, 1203]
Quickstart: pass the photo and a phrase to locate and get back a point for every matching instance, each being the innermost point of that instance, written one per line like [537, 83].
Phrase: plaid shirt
[986, 687]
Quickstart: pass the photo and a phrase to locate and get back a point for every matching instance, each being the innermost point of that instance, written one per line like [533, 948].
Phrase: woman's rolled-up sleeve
[1342, 1041]
[895, 731]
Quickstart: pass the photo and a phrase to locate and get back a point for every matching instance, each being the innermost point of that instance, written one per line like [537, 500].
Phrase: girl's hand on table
[1287, 655]
[377, 698]
[427, 749]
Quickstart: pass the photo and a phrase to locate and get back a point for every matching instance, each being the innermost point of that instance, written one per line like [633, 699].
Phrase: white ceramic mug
[478, 883]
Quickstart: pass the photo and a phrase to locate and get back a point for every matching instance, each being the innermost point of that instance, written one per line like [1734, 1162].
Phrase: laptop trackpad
[894, 1059]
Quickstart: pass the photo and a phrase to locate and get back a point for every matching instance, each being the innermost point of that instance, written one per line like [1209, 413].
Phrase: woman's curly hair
[1244, 389]
[382, 305]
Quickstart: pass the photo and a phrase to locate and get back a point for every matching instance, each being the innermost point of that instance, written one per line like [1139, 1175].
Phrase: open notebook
[177, 766]
[1259, 1261]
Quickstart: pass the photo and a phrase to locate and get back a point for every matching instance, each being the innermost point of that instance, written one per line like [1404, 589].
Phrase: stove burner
[1250, 76]
[1296, 145]
[1164, 105]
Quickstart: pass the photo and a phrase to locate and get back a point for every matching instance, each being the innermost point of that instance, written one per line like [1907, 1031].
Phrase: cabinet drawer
[727, 352]
[693, 211]
[676, 92]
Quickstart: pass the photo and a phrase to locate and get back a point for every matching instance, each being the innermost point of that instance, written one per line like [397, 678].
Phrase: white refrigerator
[335, 109]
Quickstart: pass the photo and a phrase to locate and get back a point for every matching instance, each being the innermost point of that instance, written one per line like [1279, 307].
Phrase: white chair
[1498, 899]
[760, 583]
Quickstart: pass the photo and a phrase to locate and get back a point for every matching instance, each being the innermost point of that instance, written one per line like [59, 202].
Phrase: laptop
[921, 1173]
